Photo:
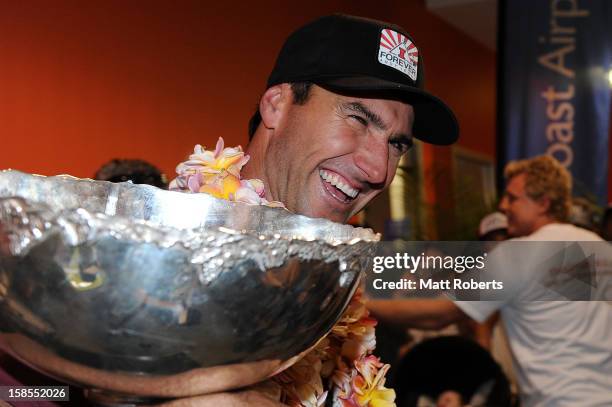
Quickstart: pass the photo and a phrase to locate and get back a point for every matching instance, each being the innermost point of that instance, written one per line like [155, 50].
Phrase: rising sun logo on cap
[398, 52]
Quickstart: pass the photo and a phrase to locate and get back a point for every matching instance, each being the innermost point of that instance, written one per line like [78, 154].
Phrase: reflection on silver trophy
[130, 291]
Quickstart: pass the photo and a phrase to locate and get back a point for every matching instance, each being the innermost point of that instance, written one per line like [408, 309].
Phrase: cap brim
[434, 122]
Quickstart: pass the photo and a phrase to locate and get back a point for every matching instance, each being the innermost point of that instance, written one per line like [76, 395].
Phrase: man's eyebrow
[370, 115]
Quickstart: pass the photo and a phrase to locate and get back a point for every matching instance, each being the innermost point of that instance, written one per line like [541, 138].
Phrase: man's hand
[417, 313]
[264, 394]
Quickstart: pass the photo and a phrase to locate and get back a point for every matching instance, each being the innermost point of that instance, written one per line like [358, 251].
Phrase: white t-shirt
[562, 350]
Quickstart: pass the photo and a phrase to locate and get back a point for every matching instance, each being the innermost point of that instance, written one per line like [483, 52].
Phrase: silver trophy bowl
[134, 292]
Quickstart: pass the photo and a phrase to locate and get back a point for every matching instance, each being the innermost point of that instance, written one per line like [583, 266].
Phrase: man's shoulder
[561, 232]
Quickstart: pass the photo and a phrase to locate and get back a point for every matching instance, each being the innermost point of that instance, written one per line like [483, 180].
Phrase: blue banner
[555, 56]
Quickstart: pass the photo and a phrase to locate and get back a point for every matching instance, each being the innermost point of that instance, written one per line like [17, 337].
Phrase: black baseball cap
[358, 55]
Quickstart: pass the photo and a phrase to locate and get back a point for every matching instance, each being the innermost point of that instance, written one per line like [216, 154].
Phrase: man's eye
[359, 119]
[402, 146]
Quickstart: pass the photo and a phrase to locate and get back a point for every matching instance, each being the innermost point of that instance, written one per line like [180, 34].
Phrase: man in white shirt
[562, 349]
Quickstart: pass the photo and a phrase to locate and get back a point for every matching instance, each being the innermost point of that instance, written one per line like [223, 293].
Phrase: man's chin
[516, 232]
[334, 218]
[324, 213]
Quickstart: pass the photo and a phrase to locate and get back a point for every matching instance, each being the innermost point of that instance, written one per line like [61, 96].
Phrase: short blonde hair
[545, 177]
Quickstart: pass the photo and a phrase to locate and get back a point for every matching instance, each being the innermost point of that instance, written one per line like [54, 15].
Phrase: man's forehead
[376, 100]
[516, 184]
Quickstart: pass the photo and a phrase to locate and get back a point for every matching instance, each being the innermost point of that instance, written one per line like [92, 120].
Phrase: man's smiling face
[525, 214]
[332, 155]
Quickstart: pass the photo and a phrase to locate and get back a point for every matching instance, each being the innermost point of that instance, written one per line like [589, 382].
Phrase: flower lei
[217, 173]
[344, 361]
[341, 363]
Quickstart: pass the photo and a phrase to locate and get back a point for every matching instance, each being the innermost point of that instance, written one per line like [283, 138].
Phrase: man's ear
[274, 103]
[543, 204]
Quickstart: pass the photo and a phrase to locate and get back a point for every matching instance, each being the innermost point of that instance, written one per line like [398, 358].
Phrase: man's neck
[255, 168]
[543, 222]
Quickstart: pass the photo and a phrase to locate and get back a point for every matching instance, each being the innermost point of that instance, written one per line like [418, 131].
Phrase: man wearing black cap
[341, 107]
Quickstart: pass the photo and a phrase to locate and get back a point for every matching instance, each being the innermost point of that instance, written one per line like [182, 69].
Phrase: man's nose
[372, 159]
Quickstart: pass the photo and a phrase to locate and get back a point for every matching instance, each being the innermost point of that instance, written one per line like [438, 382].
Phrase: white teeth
[335, 181]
